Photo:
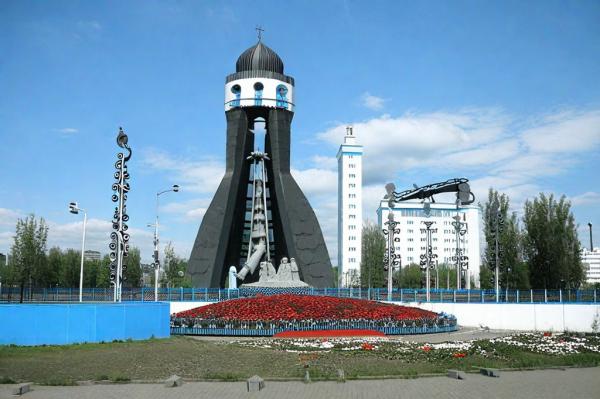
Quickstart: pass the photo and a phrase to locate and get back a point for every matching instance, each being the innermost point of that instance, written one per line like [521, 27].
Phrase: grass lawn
[214, 359]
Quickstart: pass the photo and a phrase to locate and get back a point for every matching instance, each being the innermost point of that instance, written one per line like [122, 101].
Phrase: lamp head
[122, 138]
[176, 188]
[73, 208]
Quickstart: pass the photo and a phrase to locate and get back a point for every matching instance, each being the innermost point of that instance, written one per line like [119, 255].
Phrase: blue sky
[505, 93]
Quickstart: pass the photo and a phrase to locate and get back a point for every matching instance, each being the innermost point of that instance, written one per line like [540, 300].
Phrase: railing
[379, 294]
[270, 328]
[260, 102]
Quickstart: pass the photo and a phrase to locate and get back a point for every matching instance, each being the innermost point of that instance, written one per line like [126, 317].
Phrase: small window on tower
[281, 94]
[237, 91]
[258, 93]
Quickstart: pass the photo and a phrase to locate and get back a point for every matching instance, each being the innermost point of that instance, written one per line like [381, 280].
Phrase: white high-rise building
[412, 240]
[349, 210]
[591, 262]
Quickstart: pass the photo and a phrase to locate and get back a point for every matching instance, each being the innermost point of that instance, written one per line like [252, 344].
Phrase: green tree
[175, 270]
[133, 272]
[28, 252]
[103, 275]
[70, 267]
[411, 276]
[446, 276]
[509, 242]
[55, 260]
[551, 244]
[373, 249]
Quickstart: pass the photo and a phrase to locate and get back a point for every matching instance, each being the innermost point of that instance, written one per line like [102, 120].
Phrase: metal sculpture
[258, 245]
[464, 196]
[460, 186]
[391, 259]
[119, 246]
[460, 259]
[428, 259]
[496, 228]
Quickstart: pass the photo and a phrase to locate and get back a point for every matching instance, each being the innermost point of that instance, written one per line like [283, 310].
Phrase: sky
[504, 93]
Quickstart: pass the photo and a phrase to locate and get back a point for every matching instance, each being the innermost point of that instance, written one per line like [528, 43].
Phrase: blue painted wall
[60, 324]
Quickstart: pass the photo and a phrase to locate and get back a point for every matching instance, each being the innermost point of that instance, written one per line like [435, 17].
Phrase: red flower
[547, 334]
[427, 348]
[367, 346]
[459, 354]
[305, 307]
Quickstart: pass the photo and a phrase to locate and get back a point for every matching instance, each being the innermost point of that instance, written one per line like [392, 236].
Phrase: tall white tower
[349, 210]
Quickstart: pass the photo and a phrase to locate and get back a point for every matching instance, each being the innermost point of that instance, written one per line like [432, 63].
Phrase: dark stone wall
[296, 230]
[294, 222]
[218, 242]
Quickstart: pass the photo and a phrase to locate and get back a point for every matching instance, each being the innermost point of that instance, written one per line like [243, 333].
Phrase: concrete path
[543, 384]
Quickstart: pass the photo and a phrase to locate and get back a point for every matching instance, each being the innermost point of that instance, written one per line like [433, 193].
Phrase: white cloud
[67, 131]
[8, 217]
[586, 198]
[316, 181]
[568, 131]
[201, 176]
[372, 102]
[190, 211]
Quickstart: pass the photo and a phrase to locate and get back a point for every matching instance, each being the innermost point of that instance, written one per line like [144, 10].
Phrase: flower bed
[268, 315]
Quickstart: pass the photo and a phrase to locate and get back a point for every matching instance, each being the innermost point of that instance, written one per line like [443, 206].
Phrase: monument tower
[263, 211]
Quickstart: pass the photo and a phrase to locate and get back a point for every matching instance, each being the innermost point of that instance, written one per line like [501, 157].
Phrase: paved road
[543, 384]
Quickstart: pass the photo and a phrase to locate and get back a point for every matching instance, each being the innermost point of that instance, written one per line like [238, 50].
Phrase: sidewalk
[543, 384]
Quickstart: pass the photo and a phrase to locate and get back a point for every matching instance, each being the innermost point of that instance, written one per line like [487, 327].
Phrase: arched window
[237, 91]
[258, 93]
[281, 95]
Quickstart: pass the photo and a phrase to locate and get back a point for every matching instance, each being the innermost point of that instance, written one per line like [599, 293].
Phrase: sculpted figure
[294, 270]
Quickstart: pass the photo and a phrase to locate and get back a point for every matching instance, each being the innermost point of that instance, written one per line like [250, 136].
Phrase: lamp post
[119, 245]
[391, 259]
[156, 255]
[497, 226]
[428, 259]
[75, 209]
[461, 260]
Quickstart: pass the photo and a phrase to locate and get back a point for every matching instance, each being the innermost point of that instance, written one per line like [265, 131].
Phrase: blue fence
[269, 332]
[60, 324]
[380, 294]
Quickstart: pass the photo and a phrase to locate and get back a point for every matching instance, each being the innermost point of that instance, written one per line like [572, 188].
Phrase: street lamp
[75, 209]
[428, 259]
[460, 229]
[156, 255]
[391, 259]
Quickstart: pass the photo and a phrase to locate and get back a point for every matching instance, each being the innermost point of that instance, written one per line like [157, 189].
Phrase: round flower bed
[269, 315]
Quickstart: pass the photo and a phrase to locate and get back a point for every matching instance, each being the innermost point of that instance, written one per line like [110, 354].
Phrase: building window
[351, 185]
[352, 227]
[352, 175]
[237, 92]
[258, 93]
[351, 206]
[352, 216]
[351, 195]
[351, 165]
[282, 101]
[351, 249]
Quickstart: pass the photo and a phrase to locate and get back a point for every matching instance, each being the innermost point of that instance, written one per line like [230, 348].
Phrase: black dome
[259, 58]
